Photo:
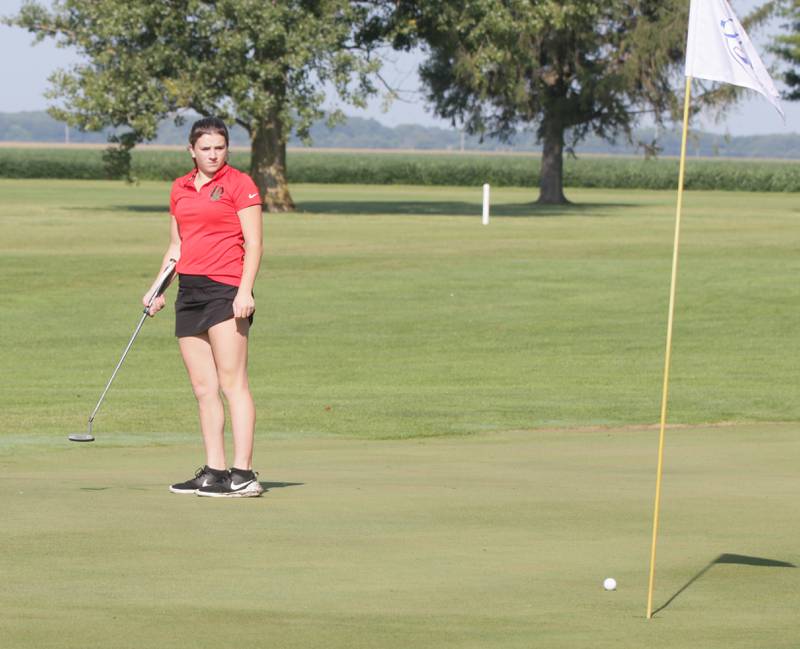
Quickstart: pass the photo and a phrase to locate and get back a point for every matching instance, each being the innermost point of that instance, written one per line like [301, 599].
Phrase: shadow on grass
[142, 209]
[454, 208]
[411, 208]
[280, 485]
[139, 209]
[739, 559]
[266, 485]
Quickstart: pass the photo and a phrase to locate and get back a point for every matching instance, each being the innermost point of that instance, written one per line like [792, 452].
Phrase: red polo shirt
[212, 243]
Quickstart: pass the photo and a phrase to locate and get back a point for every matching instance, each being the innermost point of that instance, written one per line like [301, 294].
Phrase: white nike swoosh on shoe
[206, 482]
[241, 485]
[252, 195]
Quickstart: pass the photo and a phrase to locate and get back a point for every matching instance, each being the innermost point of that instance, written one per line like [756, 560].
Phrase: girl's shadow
[279, 485]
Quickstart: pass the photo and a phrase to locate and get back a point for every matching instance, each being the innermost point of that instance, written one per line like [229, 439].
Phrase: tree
[569, 67]
[787, 46]
[261, 64]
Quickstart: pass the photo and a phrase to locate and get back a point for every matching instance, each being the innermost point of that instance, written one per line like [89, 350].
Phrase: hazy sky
[25, 68]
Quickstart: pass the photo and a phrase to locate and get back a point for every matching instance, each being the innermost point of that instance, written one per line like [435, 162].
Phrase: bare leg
[199, 361]
[229, 345]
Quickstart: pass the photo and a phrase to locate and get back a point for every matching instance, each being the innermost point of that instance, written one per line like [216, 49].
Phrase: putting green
[489, 541]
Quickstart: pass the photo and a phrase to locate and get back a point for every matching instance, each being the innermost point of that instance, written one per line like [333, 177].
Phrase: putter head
[81, 437]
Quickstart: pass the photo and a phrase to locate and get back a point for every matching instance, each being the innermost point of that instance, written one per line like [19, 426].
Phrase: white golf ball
[610, 584]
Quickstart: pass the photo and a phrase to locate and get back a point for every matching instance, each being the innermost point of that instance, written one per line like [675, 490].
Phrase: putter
[163, 281]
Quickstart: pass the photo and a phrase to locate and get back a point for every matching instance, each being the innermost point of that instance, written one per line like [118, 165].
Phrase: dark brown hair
[208, 126]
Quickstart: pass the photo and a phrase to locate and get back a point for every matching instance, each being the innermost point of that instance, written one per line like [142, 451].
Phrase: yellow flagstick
[668, 354]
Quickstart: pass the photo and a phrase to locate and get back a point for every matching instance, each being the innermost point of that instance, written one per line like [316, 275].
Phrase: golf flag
[718, 49]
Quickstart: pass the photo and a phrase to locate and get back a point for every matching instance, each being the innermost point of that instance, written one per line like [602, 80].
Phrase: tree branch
[42, 30]
[395, 93]
[244, 125]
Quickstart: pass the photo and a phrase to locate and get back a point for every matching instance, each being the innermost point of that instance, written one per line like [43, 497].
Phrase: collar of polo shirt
[220, 172]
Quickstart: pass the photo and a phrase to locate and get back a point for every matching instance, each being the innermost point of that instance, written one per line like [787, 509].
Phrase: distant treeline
[465, 169]
[360, 133]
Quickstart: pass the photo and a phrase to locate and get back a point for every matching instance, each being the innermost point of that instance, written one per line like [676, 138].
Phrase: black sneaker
[205, 477]
[238, 484]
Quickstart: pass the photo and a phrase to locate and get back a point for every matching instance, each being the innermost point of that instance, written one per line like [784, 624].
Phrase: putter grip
[163, 281]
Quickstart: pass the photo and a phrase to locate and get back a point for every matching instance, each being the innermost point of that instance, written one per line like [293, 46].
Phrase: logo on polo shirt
[217, 192]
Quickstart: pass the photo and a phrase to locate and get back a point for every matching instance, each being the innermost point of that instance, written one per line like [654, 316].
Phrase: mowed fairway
[455, 426]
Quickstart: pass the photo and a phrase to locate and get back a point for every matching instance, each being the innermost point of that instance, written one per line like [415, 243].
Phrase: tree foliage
[261, 64]
[569, 68]
[786, 45]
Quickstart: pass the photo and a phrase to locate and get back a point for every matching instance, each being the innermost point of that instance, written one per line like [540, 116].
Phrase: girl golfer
[216, 239]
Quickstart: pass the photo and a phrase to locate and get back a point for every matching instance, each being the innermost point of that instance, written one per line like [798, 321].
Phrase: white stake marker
[485, 219]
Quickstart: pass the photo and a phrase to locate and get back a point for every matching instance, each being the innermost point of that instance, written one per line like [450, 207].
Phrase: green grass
[393, 313]
[455, 426]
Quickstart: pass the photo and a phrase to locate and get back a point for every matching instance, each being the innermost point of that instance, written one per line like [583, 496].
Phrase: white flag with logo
[718, 49]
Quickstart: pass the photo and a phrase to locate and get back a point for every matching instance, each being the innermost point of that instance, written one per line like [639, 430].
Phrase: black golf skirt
[201, 304]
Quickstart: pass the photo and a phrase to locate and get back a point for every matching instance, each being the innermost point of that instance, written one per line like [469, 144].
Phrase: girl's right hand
[157, 305]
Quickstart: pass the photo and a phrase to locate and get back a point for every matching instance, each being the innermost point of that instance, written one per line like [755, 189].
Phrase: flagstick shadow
[739, 559]
[685, 587]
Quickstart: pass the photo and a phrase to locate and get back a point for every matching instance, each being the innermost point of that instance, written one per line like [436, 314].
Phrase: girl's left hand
[244, 305]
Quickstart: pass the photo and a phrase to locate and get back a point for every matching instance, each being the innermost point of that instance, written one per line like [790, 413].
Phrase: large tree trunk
[551, 180]
[268, 165]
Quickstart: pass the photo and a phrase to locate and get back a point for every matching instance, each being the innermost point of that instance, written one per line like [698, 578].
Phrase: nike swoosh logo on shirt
[252, 195]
